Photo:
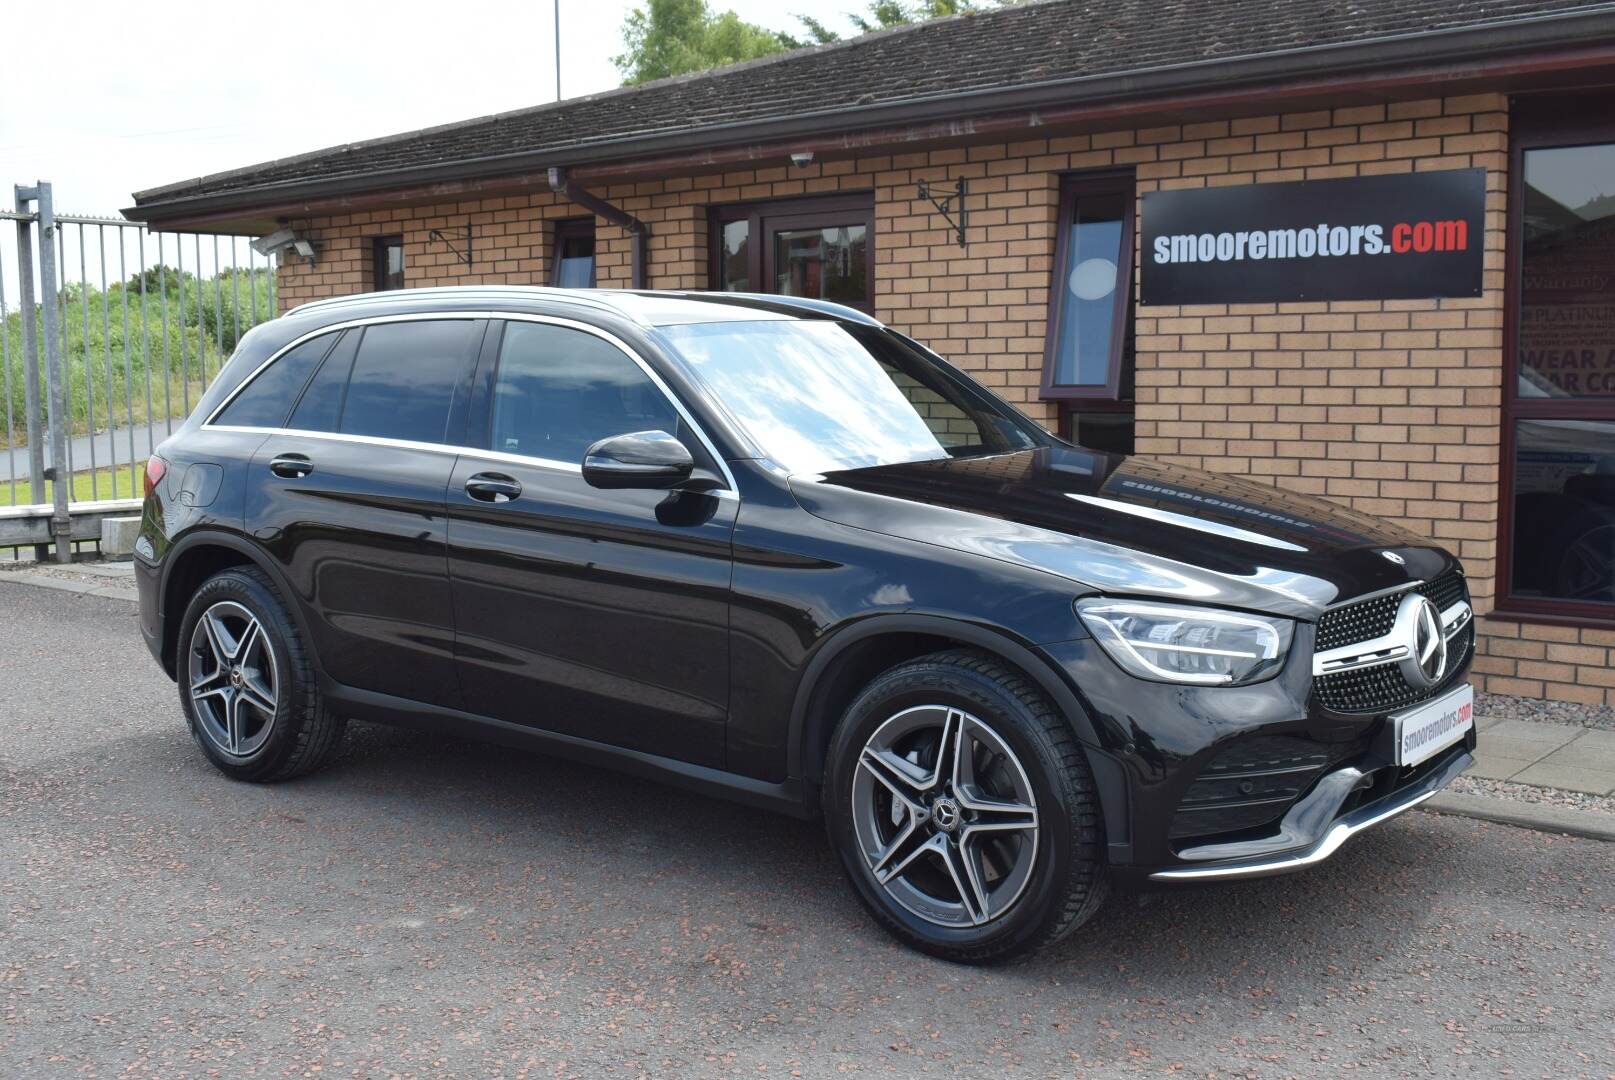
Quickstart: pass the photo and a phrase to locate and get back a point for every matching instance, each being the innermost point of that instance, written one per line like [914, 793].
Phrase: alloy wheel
[234, 684]
[945, 816]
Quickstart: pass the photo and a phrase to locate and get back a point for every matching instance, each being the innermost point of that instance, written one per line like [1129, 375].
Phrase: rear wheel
[246, 683]
[963, 809]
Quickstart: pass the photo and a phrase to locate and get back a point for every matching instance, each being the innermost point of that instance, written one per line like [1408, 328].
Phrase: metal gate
[108, 335]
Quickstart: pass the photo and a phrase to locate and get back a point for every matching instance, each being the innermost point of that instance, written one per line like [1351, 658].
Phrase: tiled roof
[1052, 42]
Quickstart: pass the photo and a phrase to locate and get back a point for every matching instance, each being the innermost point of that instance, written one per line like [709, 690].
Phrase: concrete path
[1546, 755]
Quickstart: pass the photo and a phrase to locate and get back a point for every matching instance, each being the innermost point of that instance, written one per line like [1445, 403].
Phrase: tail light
[156, 469]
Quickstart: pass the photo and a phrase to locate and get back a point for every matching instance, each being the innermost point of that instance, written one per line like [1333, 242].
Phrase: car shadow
[783, 878]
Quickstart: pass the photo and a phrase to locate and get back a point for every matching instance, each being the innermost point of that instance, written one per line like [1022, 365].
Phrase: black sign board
[1395, 237]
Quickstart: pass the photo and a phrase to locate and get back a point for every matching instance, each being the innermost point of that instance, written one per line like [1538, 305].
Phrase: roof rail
[585, 297]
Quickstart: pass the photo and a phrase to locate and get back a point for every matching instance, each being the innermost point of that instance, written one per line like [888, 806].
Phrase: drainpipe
[638, 231]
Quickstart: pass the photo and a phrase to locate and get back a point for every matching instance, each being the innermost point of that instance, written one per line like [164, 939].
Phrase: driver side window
[558, 390]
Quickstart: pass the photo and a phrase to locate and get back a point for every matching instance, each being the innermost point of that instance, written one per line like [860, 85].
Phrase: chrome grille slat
[1382, 688]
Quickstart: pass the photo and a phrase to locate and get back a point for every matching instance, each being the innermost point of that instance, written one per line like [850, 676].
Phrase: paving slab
[1593, 780]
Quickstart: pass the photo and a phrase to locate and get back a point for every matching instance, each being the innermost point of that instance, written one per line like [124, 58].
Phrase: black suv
[771, 549]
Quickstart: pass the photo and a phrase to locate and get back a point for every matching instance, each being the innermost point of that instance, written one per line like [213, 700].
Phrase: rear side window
[403, 379]
[559, 390]
[265, 401]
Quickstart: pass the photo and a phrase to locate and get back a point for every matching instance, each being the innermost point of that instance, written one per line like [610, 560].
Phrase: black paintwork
[705, 636]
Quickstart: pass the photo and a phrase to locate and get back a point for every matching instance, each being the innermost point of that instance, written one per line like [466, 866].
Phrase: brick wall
[1391, 407]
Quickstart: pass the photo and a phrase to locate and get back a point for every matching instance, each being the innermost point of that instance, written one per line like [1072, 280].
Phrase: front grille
[1381, 689]
[1249, 783]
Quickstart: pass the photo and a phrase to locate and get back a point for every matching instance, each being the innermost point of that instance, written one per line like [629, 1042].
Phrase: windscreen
[820, 396]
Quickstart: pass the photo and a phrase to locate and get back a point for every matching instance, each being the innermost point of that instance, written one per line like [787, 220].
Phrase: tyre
[246, 683]
[964, 811]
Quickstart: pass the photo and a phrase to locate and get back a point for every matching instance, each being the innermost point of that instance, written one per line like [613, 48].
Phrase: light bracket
[949, 202]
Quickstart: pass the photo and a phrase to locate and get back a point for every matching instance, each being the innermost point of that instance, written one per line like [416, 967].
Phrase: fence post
[59, 416]
[30, 345]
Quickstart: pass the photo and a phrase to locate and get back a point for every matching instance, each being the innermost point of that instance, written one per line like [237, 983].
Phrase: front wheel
[963, 809]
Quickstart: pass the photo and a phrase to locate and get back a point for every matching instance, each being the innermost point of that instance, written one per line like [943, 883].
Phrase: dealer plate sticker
[1426, 731]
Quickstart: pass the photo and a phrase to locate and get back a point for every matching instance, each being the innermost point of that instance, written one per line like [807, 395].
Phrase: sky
[114, 98]
[118, 97]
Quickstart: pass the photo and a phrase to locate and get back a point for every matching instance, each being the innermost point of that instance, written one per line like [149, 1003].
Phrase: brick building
[983, 184]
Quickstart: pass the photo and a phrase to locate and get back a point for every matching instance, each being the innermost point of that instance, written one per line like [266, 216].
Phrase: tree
[672, 37]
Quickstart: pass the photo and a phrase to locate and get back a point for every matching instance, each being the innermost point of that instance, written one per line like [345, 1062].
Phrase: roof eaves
[1461, 44]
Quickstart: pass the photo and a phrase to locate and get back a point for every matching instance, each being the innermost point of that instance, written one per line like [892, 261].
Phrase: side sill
[789, 797]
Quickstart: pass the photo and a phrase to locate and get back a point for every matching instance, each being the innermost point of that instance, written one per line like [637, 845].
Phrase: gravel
[1509, 707]
[1530, 793]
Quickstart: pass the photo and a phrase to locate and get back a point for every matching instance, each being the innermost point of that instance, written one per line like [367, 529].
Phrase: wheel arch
[192, 560]
[846, 662]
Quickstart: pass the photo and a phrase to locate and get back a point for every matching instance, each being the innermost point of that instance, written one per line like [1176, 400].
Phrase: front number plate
[1426, 731]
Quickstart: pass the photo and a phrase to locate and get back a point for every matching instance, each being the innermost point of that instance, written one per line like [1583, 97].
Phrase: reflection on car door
[351, 504]
[597, 614]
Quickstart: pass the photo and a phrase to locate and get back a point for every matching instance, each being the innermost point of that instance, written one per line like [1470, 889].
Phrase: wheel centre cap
[945, 813]
[236, 678]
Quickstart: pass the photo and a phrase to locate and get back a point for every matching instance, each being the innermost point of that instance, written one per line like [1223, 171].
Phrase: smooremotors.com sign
[1397, 237]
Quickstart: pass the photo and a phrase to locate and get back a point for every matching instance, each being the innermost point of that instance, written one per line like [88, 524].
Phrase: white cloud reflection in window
[807, 393]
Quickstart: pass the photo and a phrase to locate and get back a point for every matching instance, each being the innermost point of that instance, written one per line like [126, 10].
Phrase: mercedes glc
[771, 549]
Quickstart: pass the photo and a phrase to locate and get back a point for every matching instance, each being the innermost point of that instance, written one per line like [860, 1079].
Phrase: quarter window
[320, 407]
[265, 401]
[404, 378]
[558, 390]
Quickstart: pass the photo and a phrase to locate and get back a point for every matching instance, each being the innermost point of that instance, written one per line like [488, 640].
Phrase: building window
[819, 248]
[387, 262]
[573, 264]
[1557, 525]
[1088, 358]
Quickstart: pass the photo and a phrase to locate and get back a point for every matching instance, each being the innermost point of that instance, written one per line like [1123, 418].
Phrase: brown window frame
[1095, 397]
[570, 229]
[766, 218]
[1539, 124]
[379, 246]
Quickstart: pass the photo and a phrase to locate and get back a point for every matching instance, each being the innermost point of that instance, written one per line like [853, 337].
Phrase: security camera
[279, 240]
[802, 159]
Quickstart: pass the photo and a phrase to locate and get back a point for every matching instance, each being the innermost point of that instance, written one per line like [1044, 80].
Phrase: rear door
[598, 614]
[349, 498]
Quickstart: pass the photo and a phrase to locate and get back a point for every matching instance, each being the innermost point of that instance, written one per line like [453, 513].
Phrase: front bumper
[1315, 828]
[1219, 783]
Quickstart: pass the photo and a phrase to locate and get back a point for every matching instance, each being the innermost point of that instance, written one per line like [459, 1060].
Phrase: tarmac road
[428, 907]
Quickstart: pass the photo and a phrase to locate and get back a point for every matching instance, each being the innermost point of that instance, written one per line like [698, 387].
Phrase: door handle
[493, 487]
[291, 466]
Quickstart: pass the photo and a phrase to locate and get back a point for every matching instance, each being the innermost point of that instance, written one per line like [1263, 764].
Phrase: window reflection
[1567, 279]
[1090, 278]
[827, 263]
[734, 256]
[815, 398]
[1564, 510]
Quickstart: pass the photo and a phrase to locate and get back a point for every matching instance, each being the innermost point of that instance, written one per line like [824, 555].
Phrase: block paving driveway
[429, 907]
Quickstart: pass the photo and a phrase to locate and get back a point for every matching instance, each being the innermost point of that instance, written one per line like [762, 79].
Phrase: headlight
[1173, 643]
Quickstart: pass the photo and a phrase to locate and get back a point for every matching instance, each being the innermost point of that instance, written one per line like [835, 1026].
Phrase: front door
[596, 614]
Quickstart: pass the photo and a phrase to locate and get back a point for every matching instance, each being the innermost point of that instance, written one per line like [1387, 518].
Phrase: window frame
[1542, 124]
[1093, 397]
[379, 246]
[571, 229]
[766, 218]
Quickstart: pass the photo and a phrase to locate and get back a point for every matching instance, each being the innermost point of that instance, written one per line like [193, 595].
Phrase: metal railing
[108, 335]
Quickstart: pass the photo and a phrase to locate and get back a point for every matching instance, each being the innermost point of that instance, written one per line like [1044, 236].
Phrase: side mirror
[642, 459]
